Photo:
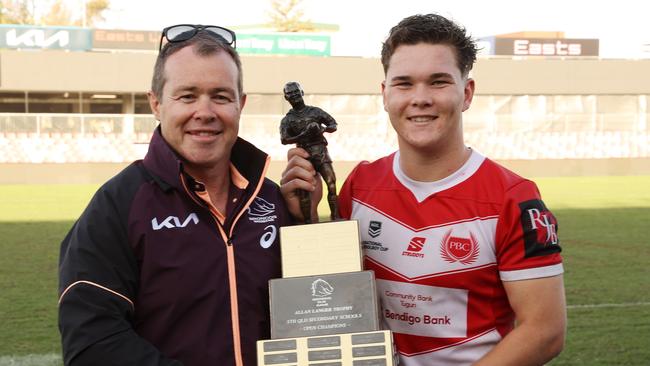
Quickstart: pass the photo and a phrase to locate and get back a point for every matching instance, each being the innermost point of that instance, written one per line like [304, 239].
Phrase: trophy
[304, 125]
[324, 309]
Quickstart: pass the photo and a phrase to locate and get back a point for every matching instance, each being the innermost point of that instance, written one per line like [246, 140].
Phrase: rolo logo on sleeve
[540, 229]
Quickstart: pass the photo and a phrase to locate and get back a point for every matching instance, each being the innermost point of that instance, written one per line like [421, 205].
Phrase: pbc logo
[172, 222]
[374, 229]
[540, 229]
[415, 247]
[456, 249]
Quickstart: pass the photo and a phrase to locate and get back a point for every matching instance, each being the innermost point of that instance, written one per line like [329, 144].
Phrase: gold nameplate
[315, 249]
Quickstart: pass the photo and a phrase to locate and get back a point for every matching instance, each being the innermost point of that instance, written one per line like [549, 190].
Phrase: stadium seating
[358, 138]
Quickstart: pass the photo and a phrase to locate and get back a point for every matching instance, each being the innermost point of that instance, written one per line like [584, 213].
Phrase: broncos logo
[320, 288]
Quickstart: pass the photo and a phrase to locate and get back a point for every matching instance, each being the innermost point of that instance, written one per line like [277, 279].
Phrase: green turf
[603, 231]
[28, 281]
[595, 192]
[44, 202]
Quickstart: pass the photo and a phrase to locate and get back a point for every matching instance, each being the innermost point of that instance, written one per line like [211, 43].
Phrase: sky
[621, 25]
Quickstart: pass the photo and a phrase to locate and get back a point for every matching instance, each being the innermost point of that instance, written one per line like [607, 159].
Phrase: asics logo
[172, 222]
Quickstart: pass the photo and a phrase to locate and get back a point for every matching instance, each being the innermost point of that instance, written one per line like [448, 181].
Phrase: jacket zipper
[232, 280]
[230, 253]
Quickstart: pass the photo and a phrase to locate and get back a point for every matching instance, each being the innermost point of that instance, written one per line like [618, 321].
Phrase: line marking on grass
[50, 359]
[619, 305]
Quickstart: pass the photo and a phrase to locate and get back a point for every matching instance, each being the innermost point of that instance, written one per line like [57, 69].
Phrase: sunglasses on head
[183, 32]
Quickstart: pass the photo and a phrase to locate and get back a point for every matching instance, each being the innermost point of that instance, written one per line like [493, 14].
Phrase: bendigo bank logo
[415, 247]
[539, 228]
[457, 249]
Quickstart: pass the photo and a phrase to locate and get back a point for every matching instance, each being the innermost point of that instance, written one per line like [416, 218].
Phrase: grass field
[603, 231]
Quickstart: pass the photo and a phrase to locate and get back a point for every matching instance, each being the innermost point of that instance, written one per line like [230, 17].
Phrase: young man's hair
[202, 44]
[432, 29]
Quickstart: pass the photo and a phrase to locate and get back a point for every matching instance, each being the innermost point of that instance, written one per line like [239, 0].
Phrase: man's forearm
[525, 346]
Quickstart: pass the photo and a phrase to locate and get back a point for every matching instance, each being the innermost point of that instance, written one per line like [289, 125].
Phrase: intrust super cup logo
[457, 249]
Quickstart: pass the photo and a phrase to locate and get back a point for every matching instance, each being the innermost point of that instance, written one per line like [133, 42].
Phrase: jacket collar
[167, 166]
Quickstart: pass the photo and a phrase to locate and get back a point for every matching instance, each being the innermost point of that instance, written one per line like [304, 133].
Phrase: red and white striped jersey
[440, 251]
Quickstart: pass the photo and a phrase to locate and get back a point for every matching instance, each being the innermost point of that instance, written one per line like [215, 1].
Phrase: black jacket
[149, 277]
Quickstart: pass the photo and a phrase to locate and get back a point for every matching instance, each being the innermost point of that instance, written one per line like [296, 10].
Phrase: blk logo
[415, 247]
[172, 222]
[458, 249]
[539, 228]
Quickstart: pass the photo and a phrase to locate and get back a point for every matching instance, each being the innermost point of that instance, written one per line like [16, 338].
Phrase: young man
[462, 248]
[169, 263]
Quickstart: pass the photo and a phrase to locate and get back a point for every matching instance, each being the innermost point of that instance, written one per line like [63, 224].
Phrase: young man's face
[200, 106]
[425, 94]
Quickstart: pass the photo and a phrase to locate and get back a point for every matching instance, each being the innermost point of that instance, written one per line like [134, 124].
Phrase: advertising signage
[545, 47]
[114, 39]
[284, 44]
[30, 37]
[83, 39]
[265, 44]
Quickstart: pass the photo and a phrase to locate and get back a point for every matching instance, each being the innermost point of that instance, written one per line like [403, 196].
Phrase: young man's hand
[300, 174]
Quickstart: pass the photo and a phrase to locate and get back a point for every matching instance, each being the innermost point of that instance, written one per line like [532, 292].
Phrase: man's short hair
[432, 29]
[203, 44]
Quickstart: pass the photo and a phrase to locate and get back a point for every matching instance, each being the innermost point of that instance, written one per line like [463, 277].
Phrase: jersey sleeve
[98, 277]
[345, 194]
[527, 243]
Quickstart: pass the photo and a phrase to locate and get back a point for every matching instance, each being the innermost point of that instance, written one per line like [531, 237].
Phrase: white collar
[422, 190]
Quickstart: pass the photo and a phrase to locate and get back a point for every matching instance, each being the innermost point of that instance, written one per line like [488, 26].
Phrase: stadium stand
[104, 139]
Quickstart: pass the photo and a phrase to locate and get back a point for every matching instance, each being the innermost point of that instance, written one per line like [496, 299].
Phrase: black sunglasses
[183, 32]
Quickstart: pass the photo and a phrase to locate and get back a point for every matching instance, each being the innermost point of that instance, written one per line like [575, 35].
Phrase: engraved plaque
[314, 249]
[324, 304]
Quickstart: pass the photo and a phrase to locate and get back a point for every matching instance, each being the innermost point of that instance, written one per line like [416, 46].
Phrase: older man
[169, 263]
